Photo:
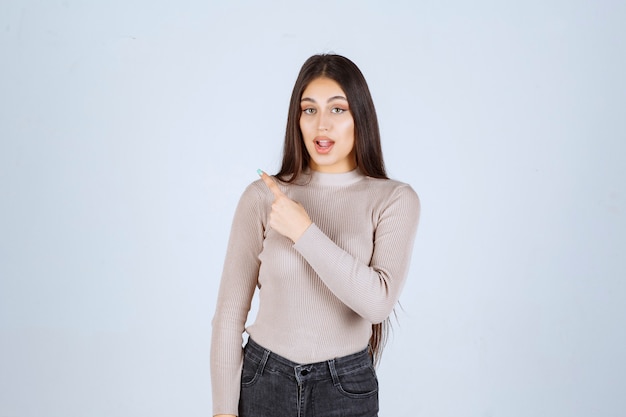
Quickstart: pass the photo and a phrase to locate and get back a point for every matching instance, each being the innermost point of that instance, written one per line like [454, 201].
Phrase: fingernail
[259, 171]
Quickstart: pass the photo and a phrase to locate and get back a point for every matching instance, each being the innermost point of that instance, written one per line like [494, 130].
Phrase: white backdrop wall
[129, 130]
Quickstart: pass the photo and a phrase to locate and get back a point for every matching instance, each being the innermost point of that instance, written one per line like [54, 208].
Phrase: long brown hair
[369, 155]
[368, 150]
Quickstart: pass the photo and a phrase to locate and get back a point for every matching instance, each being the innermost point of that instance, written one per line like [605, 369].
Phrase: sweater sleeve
[237, 286]
[370, 290]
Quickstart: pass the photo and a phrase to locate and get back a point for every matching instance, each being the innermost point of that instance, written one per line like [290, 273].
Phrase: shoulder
[255, 196]
[395, 199]
[392, 189]
[398, 204]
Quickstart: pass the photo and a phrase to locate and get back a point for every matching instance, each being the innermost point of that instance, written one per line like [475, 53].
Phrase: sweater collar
[341, 179]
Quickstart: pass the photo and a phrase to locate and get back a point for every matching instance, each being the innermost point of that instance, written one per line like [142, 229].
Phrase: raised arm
[373, 289]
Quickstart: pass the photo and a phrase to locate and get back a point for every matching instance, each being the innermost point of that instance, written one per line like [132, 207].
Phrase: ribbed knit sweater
[319, 297]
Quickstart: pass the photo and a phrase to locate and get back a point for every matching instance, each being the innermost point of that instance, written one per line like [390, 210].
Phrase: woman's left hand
[288, 217]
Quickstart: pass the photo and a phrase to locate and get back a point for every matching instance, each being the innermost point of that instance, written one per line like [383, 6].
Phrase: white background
[129, 130]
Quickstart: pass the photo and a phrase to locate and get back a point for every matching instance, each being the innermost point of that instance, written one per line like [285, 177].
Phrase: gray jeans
[272, 386]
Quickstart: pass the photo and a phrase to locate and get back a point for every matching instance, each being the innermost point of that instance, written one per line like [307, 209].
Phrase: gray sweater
[319, 297]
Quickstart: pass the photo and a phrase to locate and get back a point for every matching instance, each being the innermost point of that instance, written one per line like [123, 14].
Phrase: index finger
[271, 184]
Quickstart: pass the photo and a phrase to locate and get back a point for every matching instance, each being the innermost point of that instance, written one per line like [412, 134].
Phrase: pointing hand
[287, 217]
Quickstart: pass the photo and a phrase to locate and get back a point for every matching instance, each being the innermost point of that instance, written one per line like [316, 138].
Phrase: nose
[323, 122]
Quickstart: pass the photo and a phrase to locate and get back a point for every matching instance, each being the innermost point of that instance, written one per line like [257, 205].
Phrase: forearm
[363, 288]
[370, 284]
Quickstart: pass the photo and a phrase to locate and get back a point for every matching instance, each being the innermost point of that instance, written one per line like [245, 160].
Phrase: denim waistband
[329, 369]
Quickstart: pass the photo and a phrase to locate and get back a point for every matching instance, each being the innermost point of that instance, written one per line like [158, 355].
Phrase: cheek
[304, 127]
[348, 128]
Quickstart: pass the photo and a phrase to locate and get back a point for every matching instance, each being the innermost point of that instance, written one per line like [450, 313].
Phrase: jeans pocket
[360, 383]
[251, 370]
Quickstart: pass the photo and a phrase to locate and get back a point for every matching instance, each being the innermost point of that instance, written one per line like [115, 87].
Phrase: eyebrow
[329, 100]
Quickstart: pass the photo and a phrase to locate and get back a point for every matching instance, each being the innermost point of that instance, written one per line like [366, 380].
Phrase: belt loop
[266, 355]
[333, 372]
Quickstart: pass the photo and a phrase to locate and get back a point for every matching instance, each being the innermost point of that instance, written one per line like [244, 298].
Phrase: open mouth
[323, 145]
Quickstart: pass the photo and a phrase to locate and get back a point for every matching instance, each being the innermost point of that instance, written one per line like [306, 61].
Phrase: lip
[323, 144]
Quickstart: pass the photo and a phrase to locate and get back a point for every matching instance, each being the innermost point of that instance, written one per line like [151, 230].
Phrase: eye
[337, 110]
[308, 110]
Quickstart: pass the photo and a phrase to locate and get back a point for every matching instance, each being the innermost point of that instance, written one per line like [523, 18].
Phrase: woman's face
[327, 127]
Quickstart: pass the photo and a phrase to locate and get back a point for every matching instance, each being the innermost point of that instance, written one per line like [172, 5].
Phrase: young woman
[327, 241]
